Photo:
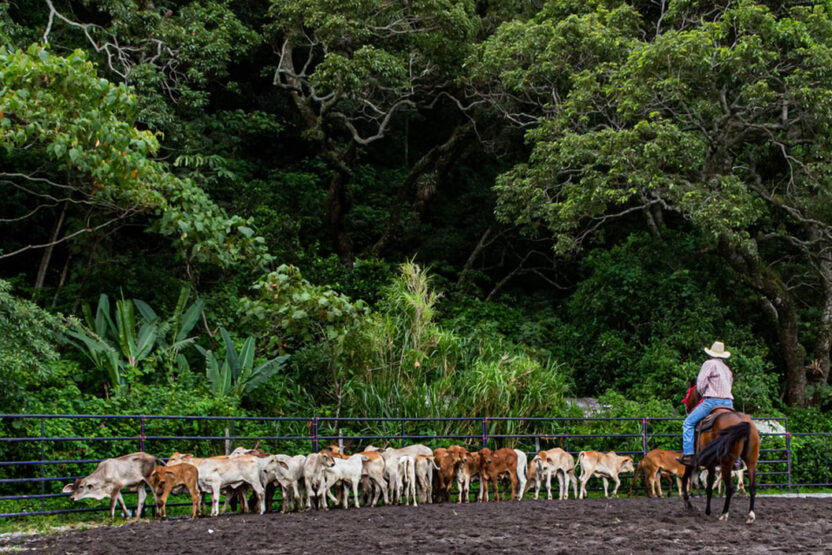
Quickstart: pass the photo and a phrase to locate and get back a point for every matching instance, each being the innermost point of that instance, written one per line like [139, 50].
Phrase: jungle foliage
[425, 208]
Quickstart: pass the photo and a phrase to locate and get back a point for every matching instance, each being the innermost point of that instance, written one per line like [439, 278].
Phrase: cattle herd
[416, 473]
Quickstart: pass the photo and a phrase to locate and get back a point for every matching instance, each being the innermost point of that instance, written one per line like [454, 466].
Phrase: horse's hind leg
[752, 490]
[726, 467]
[709, 489]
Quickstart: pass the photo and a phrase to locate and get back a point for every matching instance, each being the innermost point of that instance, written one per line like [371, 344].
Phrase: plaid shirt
[715, 380]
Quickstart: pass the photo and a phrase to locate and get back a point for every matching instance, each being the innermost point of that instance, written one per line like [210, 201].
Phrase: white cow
[739, 474]
[555, 462]
[217, 474]
[407, 471]
[606, 465]
[425, 466]
[288, 473]
[315, 479]
[111, 476]
[348, 472]
[521, 474]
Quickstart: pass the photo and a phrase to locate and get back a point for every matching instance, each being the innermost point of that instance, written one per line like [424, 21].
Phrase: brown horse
[733, 435]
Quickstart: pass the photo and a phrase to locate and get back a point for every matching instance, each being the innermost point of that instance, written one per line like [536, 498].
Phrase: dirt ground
[624, 525]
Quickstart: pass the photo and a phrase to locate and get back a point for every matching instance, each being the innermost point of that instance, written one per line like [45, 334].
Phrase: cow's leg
[548, 484]
[308, 498]
[740, 484]
[618, 484]
[658, 481]
[194, 500]
[332, 498]
[142, 495]
[514, 482]
[114, 497]
[215, 499]
[355, 493]
[537, 484]
[260, 493]
[574, 480]
[606, 486]
[678, 485]
[584, 479]
[163, 505]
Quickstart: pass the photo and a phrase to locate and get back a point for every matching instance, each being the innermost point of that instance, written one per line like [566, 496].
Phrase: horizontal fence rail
[39, 453]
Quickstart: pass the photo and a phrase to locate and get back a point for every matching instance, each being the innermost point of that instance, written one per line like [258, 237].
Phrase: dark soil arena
[637, 525]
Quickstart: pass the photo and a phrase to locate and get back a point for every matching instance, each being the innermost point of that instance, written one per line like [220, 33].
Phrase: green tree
[83, 151]
[29, 340]
[719, 116]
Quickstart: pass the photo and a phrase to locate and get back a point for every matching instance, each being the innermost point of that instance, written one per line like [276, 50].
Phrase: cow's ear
[365, 458]
[170, 474]
[283, 464]
[68, 488]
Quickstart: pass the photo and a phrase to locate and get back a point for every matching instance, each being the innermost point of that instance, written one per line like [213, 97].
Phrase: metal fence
[42, 452]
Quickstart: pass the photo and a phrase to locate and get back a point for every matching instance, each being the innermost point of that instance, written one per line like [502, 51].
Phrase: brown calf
[174, 479]
[495, 463]
[656, 463]
[448, 460]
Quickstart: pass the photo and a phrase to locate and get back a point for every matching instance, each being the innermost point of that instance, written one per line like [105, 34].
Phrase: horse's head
[692, 398]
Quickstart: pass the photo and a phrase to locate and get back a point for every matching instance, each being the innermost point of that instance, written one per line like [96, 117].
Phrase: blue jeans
[697, 414]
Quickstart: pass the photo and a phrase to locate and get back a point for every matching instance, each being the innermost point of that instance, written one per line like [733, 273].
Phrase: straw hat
[717, 350]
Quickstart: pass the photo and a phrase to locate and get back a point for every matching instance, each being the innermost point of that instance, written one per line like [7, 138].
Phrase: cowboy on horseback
[714, 385]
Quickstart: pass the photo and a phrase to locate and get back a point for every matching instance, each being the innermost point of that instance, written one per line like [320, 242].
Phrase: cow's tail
[639, 475]
[721, 446]
[580, 462]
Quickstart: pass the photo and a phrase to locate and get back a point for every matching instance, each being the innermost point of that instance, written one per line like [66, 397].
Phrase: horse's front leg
[709, 489]
[685, 480]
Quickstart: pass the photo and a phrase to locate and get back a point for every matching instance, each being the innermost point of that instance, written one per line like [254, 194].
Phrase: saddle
[708, 422]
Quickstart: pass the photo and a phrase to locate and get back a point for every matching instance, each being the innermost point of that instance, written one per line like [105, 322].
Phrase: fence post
[315, 434]
[485, 432]
[233, 433]
[789, 455]
[537, 444]
[141, 434]
[42, 467]
[826, 450]
[644, 436]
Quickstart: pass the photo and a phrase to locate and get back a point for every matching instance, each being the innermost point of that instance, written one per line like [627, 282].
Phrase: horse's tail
[718, 448]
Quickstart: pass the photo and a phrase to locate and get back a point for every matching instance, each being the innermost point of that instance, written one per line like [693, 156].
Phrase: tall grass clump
[415, 367]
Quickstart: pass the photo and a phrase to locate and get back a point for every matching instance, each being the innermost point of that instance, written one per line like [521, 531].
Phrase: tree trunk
[337, 206]
[437, 158]
[824, 338]
[774, 294]
[338, 203]
[47, 253]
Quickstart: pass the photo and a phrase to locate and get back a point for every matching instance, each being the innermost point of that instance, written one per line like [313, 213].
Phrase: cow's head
[90, 487]
[158, 478]
[326, 459]
[626, 465]
[275, 467]
[485, 456]
[458, 453]
[179, 458]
